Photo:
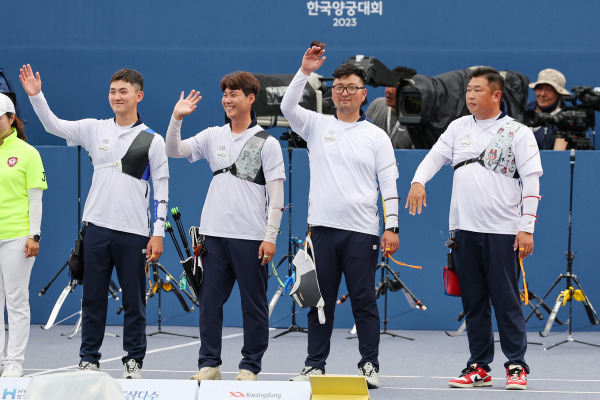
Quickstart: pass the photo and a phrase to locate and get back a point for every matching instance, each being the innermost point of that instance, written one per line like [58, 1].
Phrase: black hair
[495, 80]
[18, 124]
[130, 76]
[241, 80]
[349, 69]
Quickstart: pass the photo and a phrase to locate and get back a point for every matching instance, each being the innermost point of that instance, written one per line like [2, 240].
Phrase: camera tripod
[569, 293]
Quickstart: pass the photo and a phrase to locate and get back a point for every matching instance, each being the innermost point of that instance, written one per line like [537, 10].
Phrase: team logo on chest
[221, 152]
[465, 140]
[330, 136]
[12, 161]
[104, 146]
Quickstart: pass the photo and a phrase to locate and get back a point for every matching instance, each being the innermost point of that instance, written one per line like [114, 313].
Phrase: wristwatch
[36, 238]
[394, 230]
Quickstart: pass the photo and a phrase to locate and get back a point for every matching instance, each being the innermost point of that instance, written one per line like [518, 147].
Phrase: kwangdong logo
[12, 161]
[251, 395]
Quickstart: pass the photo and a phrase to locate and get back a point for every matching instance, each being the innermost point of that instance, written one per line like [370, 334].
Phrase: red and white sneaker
[516, 377]
[472, 376]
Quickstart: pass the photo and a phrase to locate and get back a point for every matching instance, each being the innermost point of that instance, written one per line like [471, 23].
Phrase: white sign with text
[159, 389]
[256, 390]
[138, 389]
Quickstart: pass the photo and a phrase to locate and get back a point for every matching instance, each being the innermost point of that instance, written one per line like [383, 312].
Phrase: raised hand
[313, 59]
[31, 83]
[186, 106]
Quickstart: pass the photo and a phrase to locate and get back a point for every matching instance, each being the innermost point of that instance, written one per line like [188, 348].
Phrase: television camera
[574, 121]
[426, 105]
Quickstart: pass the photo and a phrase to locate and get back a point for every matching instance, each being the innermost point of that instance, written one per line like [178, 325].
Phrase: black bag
[76, 259]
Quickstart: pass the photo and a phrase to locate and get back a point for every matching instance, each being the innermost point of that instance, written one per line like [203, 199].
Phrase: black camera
[570, 119]
[590, 98]
[427, 105]
[572, 122]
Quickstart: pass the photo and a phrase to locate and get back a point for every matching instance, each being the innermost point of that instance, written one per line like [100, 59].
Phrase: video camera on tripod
[427, 105]
[573, 122]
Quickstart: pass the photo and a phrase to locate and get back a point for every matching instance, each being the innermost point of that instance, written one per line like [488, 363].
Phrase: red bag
[451, 285]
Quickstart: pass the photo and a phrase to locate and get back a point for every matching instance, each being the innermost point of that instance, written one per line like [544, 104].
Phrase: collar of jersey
[503, 112]
[138, 122]
[363, 116]
[252, 124]
[10, 139]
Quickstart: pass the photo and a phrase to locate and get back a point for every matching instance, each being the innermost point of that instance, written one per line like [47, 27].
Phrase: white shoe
[12, 369]
[208, 374]
[306, 372]
[132, 370]
[369, 371]
[246, 375]
[89, 366]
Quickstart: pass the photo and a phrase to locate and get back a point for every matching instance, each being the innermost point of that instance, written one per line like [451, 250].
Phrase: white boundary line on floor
[103, 361]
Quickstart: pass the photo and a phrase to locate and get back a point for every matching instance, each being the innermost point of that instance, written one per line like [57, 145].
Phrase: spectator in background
[549, 90]
[383, 112]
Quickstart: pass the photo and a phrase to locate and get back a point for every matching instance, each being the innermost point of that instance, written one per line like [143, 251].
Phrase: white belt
[117, 164]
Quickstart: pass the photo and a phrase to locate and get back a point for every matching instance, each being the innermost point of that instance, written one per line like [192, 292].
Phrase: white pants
[15, 271]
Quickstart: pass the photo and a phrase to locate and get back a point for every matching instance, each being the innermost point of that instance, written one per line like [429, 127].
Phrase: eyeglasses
[339, 89]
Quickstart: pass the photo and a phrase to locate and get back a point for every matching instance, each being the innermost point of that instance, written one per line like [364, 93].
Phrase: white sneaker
[207, 374]
[246, 375]
[132, 370]
[12, 369]
[369, 371]
[306, 372]
[89, 366]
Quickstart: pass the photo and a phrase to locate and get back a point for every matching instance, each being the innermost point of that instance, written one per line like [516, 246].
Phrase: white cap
[6, 105]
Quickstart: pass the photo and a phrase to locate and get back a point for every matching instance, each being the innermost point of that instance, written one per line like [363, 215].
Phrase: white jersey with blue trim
[235, 208]
[347, 159]
[484, 200]
[115, 200]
